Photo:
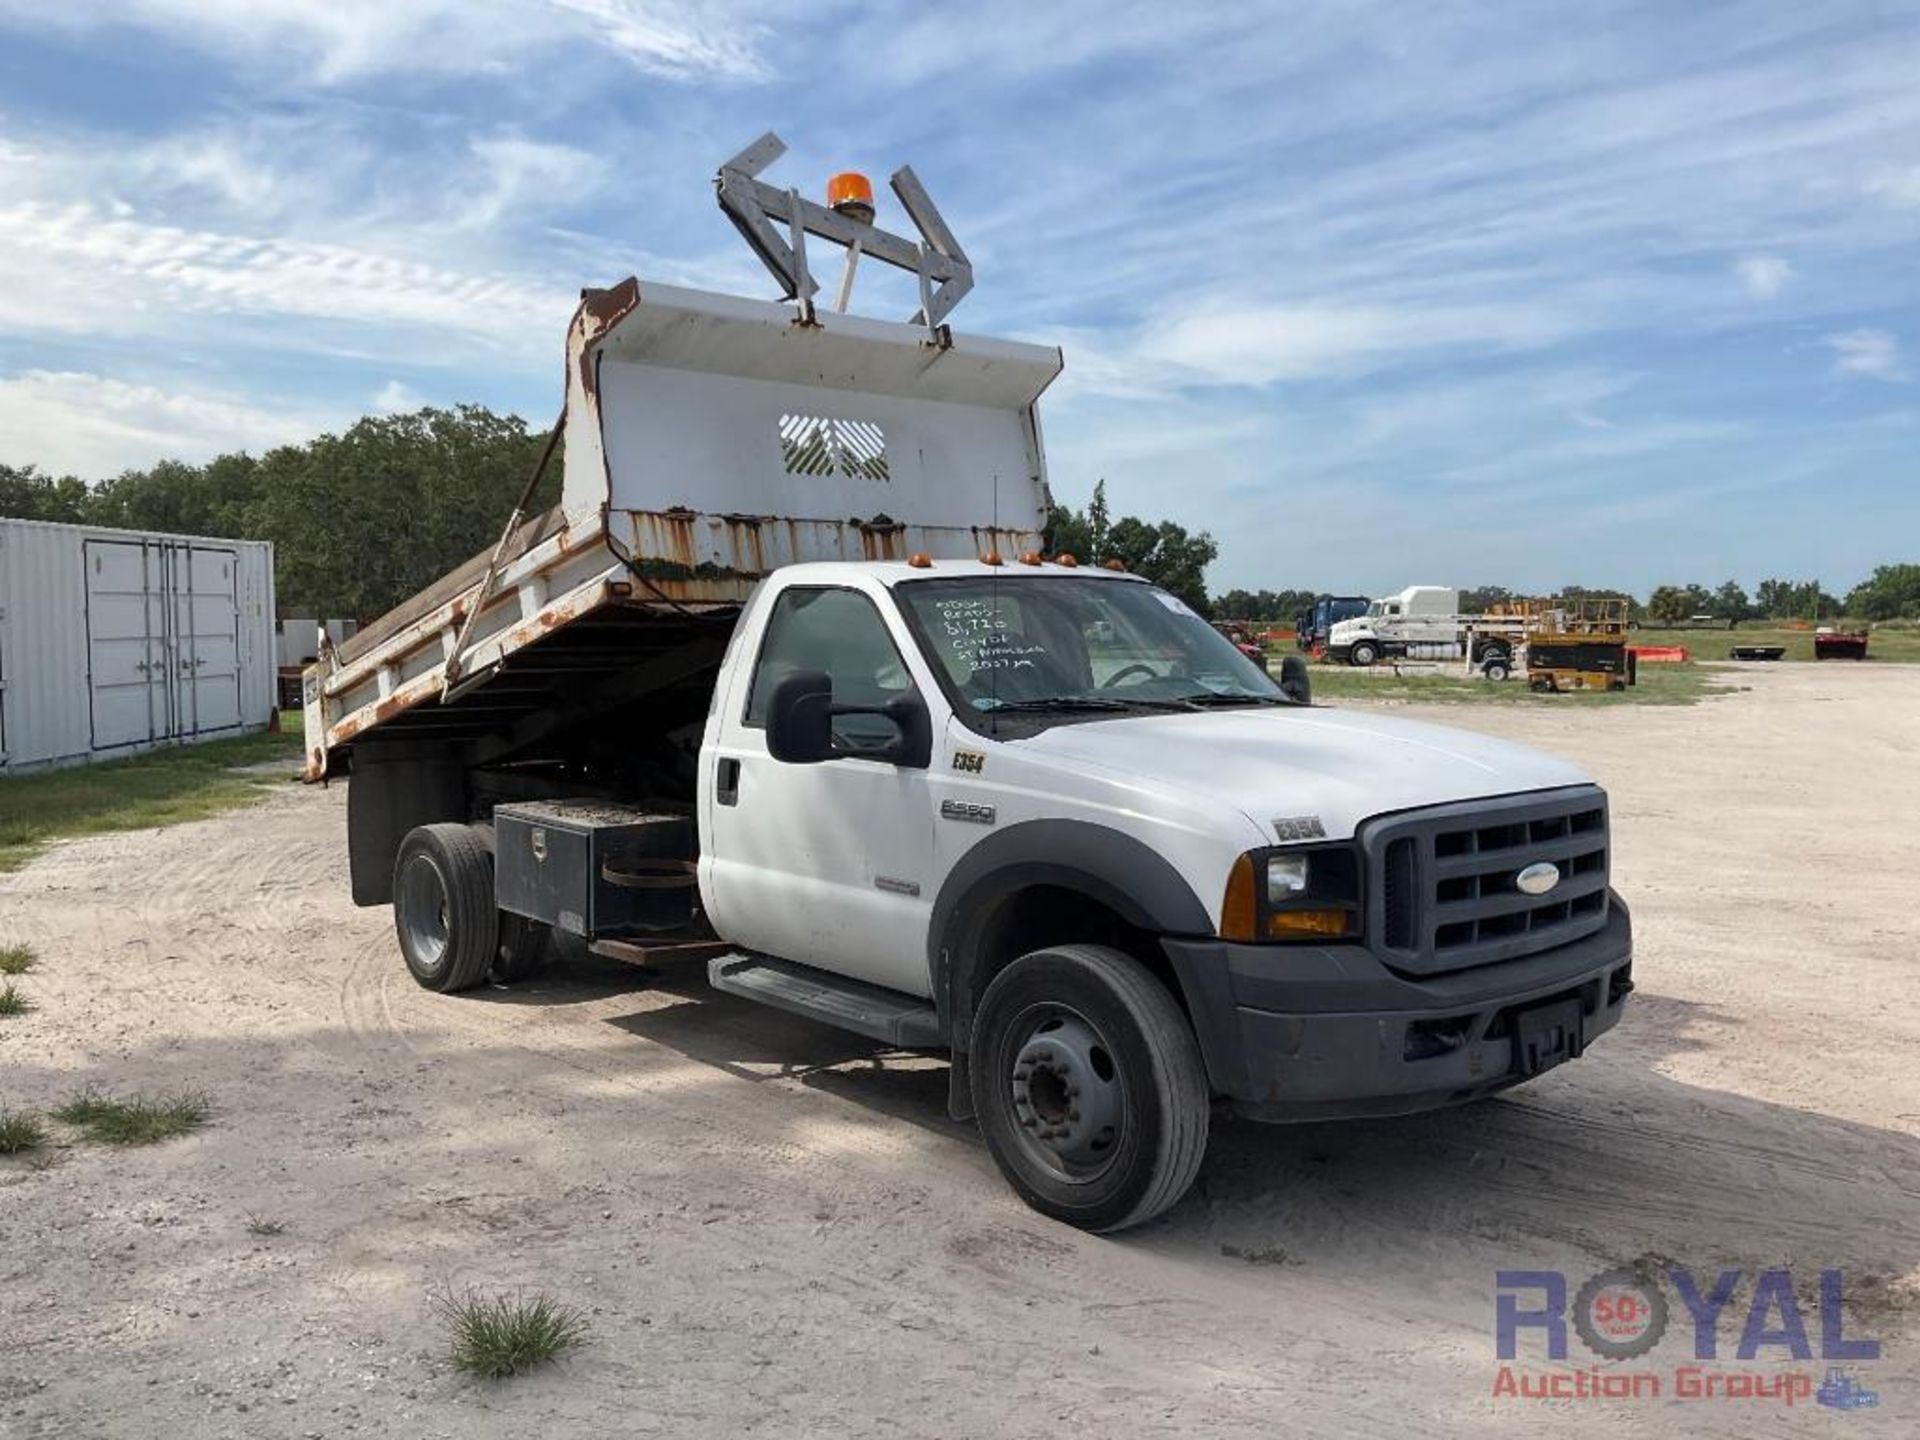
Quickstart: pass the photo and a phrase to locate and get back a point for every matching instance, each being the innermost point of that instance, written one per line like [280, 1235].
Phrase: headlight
[1308, 893]
[1287, 877]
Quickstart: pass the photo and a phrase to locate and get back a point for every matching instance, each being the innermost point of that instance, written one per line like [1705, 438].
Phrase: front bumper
[1321, 1032]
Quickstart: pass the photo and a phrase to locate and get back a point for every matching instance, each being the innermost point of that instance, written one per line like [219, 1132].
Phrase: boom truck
[787, 685]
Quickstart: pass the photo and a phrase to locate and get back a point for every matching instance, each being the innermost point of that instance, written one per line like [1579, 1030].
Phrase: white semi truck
[785, 684]
[1421, 622]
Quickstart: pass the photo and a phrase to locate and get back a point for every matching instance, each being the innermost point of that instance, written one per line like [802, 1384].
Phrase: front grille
[1445, 896]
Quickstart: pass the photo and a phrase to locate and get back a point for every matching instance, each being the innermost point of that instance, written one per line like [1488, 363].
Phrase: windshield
[1072, 643]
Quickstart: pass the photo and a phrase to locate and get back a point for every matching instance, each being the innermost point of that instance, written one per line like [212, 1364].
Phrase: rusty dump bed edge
[569, 602]
[449, 585]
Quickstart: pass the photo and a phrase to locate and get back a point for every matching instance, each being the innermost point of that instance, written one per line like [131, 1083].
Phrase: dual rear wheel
[450, 933]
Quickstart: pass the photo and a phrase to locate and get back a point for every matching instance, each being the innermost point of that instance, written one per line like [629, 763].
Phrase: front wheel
[1364, 653]
[1089, 1086]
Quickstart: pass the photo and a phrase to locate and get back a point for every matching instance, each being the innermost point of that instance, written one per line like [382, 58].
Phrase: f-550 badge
[967, 810]
[969, 761]
[1299, 827]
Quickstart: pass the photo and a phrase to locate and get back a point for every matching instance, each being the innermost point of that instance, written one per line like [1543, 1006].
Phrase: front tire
[443, 908]
[1363, 654]
[1089, 1087]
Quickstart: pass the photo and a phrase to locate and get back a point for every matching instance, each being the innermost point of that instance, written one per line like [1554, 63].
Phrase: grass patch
[500, 1335]
[139, 1120]
[16, 959]
[161, 787]
[1893, 642]
[20, 1132]
[1685, 684]
[13, 1000]
[265, 1225]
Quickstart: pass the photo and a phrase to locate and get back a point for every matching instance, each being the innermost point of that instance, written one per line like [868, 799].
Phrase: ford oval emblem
[1538, 878]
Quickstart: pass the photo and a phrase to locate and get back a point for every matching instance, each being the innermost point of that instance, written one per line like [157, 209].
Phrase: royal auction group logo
[1621, 1315]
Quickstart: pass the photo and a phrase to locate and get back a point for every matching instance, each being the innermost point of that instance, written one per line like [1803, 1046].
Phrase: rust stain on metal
[880, 537]
[666, 536]
[743, 546]
[600, 311]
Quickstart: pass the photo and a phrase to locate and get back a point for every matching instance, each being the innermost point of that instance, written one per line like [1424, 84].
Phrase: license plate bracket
[1548, 1035]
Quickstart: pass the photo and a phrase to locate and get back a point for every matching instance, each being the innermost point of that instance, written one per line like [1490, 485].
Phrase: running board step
[869, 1010]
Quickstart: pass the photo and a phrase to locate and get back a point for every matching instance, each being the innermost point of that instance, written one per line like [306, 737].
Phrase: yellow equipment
[1578, 645]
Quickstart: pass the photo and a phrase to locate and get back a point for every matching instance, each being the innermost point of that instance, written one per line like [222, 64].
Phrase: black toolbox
[594, 868]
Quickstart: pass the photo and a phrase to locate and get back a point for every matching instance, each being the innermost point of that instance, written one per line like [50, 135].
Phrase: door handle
[726, 789]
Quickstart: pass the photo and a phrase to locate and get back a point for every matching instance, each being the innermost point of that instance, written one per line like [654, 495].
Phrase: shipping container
[117, 641]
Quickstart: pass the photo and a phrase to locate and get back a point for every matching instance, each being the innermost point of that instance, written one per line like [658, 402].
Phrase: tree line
[363, 519]
[359, 520]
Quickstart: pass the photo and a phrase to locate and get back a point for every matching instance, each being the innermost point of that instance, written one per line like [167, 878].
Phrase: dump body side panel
[709, 440]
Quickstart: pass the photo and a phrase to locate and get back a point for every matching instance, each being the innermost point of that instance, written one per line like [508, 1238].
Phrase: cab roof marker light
[1065, 561]
[992, 557]
[920, 560]
[1116, 565]
[1032, 557]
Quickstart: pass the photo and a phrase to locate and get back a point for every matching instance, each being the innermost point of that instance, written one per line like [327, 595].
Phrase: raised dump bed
[709, 439]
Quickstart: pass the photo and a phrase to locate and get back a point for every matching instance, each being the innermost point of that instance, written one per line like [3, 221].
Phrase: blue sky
[1377, 293]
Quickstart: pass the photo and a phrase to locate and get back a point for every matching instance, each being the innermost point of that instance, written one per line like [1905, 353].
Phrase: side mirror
[800, 716]
[1295, 683]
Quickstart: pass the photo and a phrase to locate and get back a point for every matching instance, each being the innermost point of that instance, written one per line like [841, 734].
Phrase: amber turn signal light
[1238, 913]
[1309, 924]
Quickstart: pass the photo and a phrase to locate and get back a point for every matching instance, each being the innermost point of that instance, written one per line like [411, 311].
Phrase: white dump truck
[787, 685]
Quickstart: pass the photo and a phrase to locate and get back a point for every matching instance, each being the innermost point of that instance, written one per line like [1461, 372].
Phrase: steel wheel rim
[423, 911]
[1070, 1110]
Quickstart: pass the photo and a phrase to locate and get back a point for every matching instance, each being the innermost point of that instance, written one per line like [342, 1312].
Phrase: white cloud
[333, 41]
[76, 269]
[72, 422]
[529, 173]
[672, 40]
[1765, 276]
[1899, 187]
[394, 398]
[1874, 354]
[1206, 343]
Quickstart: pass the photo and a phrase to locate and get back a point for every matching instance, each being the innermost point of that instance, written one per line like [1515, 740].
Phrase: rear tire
[443, 906]
[522, 949]
[1089, 1087]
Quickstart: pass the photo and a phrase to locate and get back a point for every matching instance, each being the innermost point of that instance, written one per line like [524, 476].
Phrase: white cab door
[828, 864]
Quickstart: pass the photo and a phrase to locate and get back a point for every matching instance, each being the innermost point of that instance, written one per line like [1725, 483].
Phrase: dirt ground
[777, 1232]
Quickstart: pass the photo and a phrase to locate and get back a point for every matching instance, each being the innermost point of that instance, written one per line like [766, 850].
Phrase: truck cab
[1421, 622]
[913, 775]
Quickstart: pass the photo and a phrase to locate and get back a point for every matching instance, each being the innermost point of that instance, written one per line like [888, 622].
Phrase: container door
[128, 673]
[206, 639]
[3, 687]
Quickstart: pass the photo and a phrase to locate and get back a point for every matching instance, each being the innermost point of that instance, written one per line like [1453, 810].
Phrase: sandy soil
[777, 1231]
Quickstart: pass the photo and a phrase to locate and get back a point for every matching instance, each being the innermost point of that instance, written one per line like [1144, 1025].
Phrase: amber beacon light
[851, 194]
